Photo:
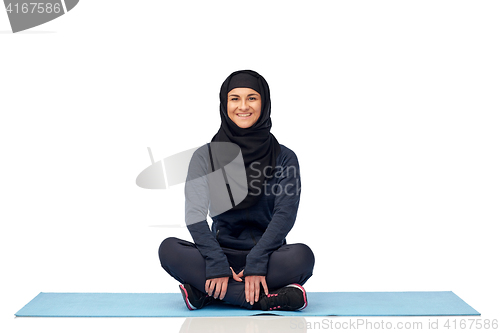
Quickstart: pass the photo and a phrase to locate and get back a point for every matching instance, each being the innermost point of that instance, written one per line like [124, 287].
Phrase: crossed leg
[291, 263]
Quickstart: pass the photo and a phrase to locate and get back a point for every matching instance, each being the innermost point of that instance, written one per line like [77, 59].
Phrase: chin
[244, 125]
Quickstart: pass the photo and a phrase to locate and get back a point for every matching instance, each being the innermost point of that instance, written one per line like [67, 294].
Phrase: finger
[251, 293]
[240, 274]
[236, 277]
[207, 283]
[224, 289]
[211, 287]
[217, 289]
[257, 289]
[264, 284]
[247, 289]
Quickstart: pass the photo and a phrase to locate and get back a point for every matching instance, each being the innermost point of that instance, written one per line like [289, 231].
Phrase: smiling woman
[243, 106]
[244, 259]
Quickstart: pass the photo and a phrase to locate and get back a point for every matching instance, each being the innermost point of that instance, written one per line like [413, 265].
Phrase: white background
[392, 108]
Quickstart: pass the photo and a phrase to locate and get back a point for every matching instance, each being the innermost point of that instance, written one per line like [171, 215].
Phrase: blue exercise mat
[440, 303]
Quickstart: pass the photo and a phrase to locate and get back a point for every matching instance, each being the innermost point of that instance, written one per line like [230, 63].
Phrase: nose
[243, 105]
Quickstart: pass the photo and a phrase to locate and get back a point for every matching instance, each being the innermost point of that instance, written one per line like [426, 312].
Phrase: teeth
[244, 114]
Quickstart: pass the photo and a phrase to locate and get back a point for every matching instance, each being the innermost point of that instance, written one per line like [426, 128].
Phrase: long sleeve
[283, 218]
[197, 203]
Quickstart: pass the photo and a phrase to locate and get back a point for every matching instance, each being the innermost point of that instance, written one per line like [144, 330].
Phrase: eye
[234, 99]
[253, 98]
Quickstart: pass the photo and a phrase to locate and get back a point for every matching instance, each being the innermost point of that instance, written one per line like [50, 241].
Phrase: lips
[244, 115]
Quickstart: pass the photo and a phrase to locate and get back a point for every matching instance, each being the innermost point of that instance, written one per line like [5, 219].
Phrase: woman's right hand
[217, 286]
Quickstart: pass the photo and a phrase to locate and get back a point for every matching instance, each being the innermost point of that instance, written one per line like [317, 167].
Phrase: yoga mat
[440, 303]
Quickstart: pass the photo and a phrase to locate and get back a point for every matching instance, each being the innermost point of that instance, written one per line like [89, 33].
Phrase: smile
[243, 115]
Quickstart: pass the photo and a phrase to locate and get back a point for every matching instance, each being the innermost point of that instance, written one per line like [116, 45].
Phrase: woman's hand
[219, 285]
[237, 277]
[252, 287]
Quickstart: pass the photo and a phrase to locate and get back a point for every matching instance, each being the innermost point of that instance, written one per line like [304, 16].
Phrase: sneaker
[194, 298]
[289, 298]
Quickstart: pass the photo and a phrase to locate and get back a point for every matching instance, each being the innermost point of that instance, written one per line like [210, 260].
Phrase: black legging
[291, 263]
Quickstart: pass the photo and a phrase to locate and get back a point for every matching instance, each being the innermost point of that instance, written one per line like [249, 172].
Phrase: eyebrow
[247, 95]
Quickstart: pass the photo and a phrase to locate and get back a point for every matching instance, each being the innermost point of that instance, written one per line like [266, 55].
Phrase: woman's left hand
[252, 287]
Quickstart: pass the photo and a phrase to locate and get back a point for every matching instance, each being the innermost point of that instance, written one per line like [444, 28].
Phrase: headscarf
[256, 142]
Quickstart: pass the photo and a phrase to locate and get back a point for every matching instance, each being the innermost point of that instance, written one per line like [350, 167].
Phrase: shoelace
[274, 300]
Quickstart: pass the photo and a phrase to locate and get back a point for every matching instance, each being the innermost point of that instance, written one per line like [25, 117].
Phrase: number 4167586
[34, 7]
[471, 323]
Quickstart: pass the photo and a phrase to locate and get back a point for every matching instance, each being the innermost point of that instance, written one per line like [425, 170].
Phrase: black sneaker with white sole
[289, 298]
[194, 298]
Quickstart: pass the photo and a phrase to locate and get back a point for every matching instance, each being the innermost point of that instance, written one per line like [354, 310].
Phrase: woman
[244, 260]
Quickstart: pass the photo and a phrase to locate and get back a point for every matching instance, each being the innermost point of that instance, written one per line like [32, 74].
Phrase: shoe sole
[296, 285]
[185, 297]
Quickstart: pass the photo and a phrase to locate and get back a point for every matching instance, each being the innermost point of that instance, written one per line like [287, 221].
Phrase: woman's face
[243, 106]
